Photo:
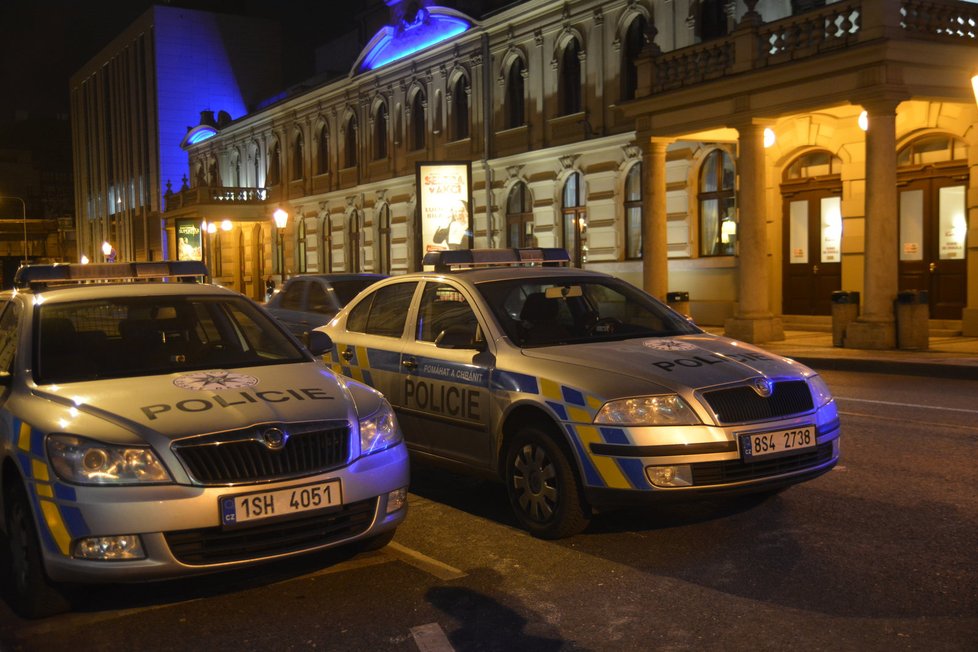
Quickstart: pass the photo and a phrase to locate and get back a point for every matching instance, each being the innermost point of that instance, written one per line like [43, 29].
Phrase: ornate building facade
[757, 155]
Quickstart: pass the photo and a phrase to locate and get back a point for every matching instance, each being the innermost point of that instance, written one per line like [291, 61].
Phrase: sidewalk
[946, 357]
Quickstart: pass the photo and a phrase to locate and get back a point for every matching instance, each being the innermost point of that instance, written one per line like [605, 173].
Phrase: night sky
[44, 42]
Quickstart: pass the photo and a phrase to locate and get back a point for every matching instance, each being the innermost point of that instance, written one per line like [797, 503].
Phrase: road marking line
[431, 638]
[909, 405]
[423, 562]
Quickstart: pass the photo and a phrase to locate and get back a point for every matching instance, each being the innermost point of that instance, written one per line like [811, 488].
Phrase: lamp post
[23, 208]
[281, 220]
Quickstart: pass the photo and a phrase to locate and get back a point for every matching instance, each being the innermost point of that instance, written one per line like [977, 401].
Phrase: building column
[655, 246]
[875, 328]
[753, 321]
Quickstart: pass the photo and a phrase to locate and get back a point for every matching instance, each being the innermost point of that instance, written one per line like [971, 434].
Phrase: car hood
[167, 407]
[687, 361]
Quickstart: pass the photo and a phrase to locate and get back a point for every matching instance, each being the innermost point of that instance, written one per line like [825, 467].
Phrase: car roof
[114, 290]
[338, 277]
[506, 273]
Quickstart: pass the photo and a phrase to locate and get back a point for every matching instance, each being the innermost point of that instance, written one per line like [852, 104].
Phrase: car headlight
[85, 461]
[379, 431]
[820, 391]
[666, 410]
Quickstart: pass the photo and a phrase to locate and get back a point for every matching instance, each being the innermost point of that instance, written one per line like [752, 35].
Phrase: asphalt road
[879, 554]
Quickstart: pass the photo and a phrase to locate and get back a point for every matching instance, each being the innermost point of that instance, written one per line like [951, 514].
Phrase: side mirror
[317, 342]
[458, 337]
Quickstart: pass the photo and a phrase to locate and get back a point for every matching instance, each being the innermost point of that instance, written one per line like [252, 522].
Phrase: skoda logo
[763, 386]
[274, 439]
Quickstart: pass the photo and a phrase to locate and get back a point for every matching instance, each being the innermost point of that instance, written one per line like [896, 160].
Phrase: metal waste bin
[845, 309]
[912, 314]
[678, 301]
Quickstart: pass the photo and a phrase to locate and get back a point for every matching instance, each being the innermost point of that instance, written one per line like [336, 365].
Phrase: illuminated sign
[189, 243]
[431, 26]
[444, 205]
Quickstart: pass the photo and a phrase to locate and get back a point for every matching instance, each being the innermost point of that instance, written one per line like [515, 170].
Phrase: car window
[382, 312]
[318, 300]
[136, 336]
[8, 335]
[292, 295]
[346, 290]
[442, 309]
[544, 311]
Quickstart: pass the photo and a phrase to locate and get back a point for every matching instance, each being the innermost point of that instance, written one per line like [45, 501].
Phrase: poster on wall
[189, 240]
[444, 205]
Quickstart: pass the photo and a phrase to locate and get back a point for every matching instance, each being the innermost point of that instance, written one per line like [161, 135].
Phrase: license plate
[247, 508]
[760, 444]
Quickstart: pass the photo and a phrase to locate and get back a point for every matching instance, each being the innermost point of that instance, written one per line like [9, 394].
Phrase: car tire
[542, 486]
[32, 595]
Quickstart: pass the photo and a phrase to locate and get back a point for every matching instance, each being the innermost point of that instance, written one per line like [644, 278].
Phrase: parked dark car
[311, 300]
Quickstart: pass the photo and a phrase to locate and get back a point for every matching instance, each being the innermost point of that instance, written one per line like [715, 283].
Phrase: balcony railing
[209, 195]
[756, 45]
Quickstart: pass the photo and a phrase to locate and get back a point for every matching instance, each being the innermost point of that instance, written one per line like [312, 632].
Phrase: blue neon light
[429, 29]
[201, 134]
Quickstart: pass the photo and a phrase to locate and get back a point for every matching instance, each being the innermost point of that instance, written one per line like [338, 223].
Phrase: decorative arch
[350, 139]
[512, 75]
[380, 123]
[459, 90]
[417, 109]
[322, 146]
[631, 38]
[568, 56]
[274, 173]
[298, 153]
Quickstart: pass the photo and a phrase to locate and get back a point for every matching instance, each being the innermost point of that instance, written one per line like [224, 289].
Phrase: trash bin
[678, 301]
[845, 309]
[912, 314]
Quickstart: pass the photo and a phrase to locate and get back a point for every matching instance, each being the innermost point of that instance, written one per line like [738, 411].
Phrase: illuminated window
[633, 212]
[634, 41]
[380, 132]
[519, 217]
[718, 226]
[515, 95]
[574, 219]
[570, 78]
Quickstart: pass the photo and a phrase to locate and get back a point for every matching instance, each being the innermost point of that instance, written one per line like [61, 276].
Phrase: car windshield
[140, 336]
[559, 310]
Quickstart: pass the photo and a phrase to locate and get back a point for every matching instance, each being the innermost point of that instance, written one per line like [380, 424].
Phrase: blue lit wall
[207, 61]
[433, 25]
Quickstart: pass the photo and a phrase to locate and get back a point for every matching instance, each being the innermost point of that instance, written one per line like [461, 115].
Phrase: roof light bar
[444, 261]
[60, 273]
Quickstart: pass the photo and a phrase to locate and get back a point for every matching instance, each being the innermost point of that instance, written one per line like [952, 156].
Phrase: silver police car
[151, 430]
[578, 390]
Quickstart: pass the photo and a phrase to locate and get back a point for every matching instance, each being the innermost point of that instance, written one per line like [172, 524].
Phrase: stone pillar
[655, 246]
[753, 321]
[875, 328]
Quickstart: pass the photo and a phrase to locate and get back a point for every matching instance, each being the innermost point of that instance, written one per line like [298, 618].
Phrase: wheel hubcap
[535, 483]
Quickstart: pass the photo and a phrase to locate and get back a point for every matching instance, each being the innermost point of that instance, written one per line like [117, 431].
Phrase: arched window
[570, 78]
[300, 244]
[350, 149]
[460, 109]
[354, 243]
[256, 164]
[383, 265]
[718, 226]
[634, 41]
[574, 219]
[326, 259]
[380, 132]
[418, 123]
[274, 176]
[322, 151]
[633, 212]
[515, 95]
[813, 164]
[519, 217]
[297, 157]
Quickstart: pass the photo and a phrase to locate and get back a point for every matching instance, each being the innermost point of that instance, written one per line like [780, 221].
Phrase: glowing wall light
[769, 137]
[863, 121]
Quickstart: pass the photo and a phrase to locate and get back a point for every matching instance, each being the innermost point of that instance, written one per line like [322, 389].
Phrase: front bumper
[180, 526]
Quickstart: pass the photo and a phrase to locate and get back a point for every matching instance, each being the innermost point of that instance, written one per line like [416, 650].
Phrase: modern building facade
[132, 105]
[759, 156]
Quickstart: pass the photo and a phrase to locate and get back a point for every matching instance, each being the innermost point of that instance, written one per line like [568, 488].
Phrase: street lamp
[281, 220]
[23, 208]
[108, 251]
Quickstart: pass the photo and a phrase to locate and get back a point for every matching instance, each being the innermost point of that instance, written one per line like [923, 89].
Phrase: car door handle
[409, 364]
[347, 354]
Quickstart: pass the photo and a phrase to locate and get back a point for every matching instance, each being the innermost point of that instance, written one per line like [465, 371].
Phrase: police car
[576, 389]
[151, 430]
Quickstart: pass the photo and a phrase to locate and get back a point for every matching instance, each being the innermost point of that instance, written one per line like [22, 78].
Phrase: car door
[445, 367]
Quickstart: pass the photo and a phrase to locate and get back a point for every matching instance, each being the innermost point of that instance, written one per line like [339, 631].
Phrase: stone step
[823, 324]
